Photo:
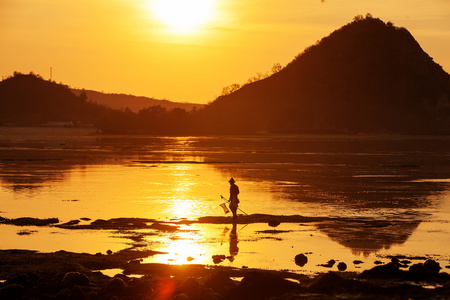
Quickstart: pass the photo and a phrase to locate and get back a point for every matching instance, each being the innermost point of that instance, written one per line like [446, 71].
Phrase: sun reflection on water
[182, 247]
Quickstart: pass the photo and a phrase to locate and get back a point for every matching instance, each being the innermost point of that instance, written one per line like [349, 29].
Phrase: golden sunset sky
[168, 49]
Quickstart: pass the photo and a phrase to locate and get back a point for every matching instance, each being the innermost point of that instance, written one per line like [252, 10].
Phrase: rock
[181, 296]
[12, 291]
[109, 252]
[73, 222]
[329, 264]
[432, 266]
[209, 294]
[331, 283]
[217, 259]
[301, 259]
[116, 286]
[141, 286]
[19, 280]
[342, 266]
[427, 270]
[387, 271]
[190, 287]
[357, 262]
[262, 285]
[220, 282]
[274, 223]
[74, 278]
[78, 293]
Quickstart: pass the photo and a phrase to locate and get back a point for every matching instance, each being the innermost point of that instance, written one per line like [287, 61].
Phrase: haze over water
[401, 183]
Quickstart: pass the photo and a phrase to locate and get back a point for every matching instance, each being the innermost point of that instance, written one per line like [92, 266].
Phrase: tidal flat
[359, 200]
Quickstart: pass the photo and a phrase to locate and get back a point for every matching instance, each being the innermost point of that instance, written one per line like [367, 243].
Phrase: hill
[27, 99]
[366, 77]
[134, 103]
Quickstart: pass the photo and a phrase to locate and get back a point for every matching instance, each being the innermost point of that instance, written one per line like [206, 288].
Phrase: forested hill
[29, 100]
[366, 77]
[134, 103]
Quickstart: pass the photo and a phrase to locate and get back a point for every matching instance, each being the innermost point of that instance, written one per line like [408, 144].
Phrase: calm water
[73, 174]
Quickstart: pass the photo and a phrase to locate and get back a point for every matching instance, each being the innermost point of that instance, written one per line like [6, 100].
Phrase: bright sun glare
[183, 16]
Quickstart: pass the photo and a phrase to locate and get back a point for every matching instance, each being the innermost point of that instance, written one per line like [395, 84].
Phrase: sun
[183, 16]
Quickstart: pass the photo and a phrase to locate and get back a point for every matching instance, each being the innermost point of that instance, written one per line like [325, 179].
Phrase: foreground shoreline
[27, 274]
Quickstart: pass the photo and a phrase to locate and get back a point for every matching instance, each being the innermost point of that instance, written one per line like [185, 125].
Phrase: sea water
[400, 183]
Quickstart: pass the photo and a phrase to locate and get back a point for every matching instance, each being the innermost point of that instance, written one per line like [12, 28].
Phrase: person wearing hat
[233, 200]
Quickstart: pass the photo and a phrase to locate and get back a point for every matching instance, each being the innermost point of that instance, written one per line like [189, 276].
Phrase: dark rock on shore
[329, 264]
[260, 285]
[74, 278]
[342, 266]
[301, 259]
[26, 221]
[217, 259]
[428, 271]
[274, 223]
[220, 283]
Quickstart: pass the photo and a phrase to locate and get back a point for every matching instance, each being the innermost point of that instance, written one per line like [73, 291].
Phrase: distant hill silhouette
[366, 77]
[27, 99]
[134, 103]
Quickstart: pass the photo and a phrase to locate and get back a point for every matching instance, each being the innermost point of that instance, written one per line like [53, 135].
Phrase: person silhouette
[233, 200]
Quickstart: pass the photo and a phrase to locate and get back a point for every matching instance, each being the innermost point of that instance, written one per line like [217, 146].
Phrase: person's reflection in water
[234, 249]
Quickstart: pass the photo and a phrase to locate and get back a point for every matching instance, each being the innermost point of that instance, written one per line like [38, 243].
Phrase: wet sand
[26, 274]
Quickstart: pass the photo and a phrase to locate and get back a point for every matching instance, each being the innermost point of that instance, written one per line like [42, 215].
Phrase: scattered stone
[74, 278]
[428, 270]
[357, 262]
[387, 271]
[274, 223]
[329, 264]
[217, 259]
[262, 285]
[12, 291]
[342, 266]
[164, 227]
[181, 297]
[377, 262]
[432, 266]
[220, 282]
[301, 259]
[29, 221]
[26, 232]
[116, 286]
[73, 222]
[190, 287]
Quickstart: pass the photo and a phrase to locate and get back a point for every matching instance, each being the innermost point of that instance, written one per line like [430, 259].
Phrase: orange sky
[124, 46]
